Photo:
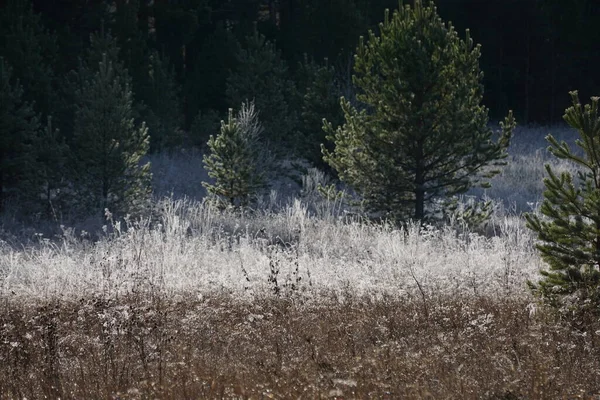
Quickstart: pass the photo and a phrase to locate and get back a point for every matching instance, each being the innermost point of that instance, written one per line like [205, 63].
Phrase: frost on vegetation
[192, 248]
[519, 187]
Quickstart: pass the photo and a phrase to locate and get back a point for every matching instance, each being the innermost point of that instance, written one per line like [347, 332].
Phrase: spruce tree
[569, 231]
[108, 146]
[262, 76]
[19, 125]
[419, 135]
[237, 160]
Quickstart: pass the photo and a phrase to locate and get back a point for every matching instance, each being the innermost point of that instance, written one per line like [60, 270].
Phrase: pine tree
[320, 100]
[101, 45]
[108, 147]
[31, 51]
[323, 28]
[237, 160]
[131, 34]
[153, 82]
[51, 154]
[570, 234]
[262, 76]
[18, 126]
[206, 123]
[160, 95]
[205, 85]
[420, 134]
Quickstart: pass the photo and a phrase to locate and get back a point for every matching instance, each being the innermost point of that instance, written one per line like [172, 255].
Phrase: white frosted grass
[171, 257]
[519, 187]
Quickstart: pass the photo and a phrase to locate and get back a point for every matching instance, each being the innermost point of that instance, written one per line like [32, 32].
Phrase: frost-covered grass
[520, 185]
[191, 248]
[300, 299]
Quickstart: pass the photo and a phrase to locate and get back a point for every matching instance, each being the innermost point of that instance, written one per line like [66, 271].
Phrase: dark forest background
[188, 61]
[533, 51]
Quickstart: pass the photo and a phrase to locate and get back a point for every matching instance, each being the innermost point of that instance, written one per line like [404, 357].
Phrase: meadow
[300, 298]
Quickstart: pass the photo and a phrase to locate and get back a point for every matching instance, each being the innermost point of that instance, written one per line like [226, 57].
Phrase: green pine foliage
[153, 81]
[163, 113]
[101, 45]
[237, 160]
[326, 28]
[31, 51]
[19, 125]
[205, 85]
[262, 76]
[419, 135]
[108, 146]
[51, 176]
[131, 34]
[320, 101]
[569, 228]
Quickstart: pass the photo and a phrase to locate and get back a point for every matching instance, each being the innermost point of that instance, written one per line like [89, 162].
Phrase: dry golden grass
[147, 346]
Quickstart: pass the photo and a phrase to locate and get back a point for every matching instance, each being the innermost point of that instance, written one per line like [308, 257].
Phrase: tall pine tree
[420, 135]
[320, 99]
[108, 146]
[262, 76]
[51, 176]
[205, 85]
[153, 81]
[18, 128]
[162, 112]
[32, 52]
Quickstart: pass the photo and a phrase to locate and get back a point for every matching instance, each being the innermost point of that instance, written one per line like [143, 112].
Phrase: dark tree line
[533, 51]
[183, 64]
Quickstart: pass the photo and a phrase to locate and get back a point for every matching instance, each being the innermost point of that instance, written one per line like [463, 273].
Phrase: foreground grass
[220, 347]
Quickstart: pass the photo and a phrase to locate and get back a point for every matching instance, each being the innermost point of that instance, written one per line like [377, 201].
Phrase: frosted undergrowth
[196, 250]
[298, 249]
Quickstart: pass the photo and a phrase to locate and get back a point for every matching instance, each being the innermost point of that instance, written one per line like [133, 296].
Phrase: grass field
[298, 300]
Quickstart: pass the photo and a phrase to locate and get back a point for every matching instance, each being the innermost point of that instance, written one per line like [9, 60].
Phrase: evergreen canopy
[419, 132]
[108, 145]
[570, 234]
[237, 160]
[19, 125]
[261, 76]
